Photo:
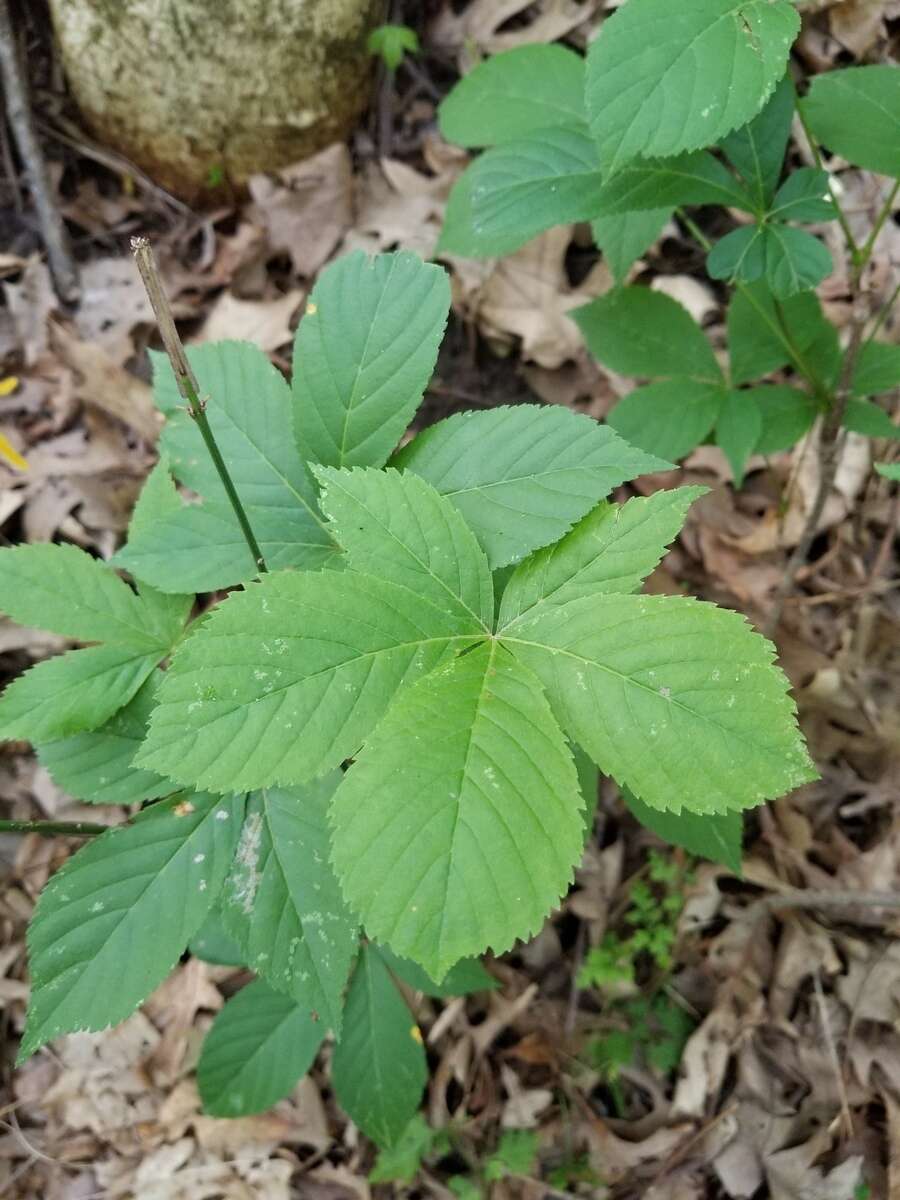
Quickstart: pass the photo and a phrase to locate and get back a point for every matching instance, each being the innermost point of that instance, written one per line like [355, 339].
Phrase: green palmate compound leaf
[510, 95]
[868, 419]
[259, 1046]
[378, 1068]
[63, 589]
[757, 149]
[283, 904]
[715, 68]
[522, 476]
[716, 837]
[458, 826]
[96, 766]
[522, 188]
[738, 429]
[613, 549]
[676, 699]
[285, 680]
[458, 233]
[877, 369]
[72, 692]
[468, 975]
[760, 339]
[740, 255]
[804, 196]
[399, 528]
[112, 923]
[695, 178]
[787, 414]
[637, 331]
[363, 354]
[856, 113]
[623, 239]
[670, 417]
[795, 260]
[190, 548]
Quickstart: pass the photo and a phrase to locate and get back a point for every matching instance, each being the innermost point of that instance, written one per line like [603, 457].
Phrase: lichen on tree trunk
[194, 91]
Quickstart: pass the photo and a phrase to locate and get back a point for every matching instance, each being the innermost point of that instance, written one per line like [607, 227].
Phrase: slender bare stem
[54, 828]
[18, 112]
[852, 244]
[188, 386]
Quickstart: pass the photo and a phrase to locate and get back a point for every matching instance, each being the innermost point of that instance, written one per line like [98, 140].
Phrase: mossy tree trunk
[196, 91]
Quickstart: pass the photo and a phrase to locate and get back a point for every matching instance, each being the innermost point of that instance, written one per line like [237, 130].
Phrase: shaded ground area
[747, 1045]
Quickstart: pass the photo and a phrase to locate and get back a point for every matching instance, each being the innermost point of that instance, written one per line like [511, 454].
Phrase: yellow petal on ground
[11, 455]
[8, 385]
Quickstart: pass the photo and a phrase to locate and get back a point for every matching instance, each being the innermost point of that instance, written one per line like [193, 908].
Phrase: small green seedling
[391, 43]
[374, 728]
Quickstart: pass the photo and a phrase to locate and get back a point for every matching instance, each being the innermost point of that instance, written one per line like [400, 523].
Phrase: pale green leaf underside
[378, 1068]
[95, 766]
[717, 62]
[522, 476]
[112, 923]
[676, 699]
[509, 95]
[72, 692]
[283, 904]
[286, 679]
[259, 1046]
[459, 825]
[363, 355]
[399, 528]
[612, 549]
[63, 589]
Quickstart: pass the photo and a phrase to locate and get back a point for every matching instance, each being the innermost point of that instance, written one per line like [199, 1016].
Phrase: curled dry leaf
[480, 24]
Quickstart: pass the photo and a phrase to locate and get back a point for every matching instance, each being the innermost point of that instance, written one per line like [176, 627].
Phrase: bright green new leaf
[623, 239]
[285, 680]
[459, 824]
[63, 589]
[866, 418]
[856, 113]
[757, 149]
[113, 922]
[877, 369]
[72, 692]
[399, 528]
[248, 405]
[795, 260]
[522, 476]
[717, 837]
[363, 354]
[670, 417]
[889, 470]
[468, 975]
[391, 43]
[459, 234]
[758, 342]
[400, 1163]
[676, 699]
[787, 415]
[260, 1045]
[804, 196]
[96, 766]
[522, 188]
[516, 1155]
[378, 1068]
[664, 78]
[283, 904]
[637, 331]
[509, 96]
[613, 549]
[738, 428]
[695, 178]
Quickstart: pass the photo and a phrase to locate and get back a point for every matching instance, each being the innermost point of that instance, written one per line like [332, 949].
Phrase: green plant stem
[54, 828]
[852, 244]
[188, 386]
[883, 314]
[866, 251]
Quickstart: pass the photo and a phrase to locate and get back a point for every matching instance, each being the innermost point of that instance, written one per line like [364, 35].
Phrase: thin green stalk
[852, 244]
[883, 314]
[188, 386]
[866, 252]
[54, 828]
